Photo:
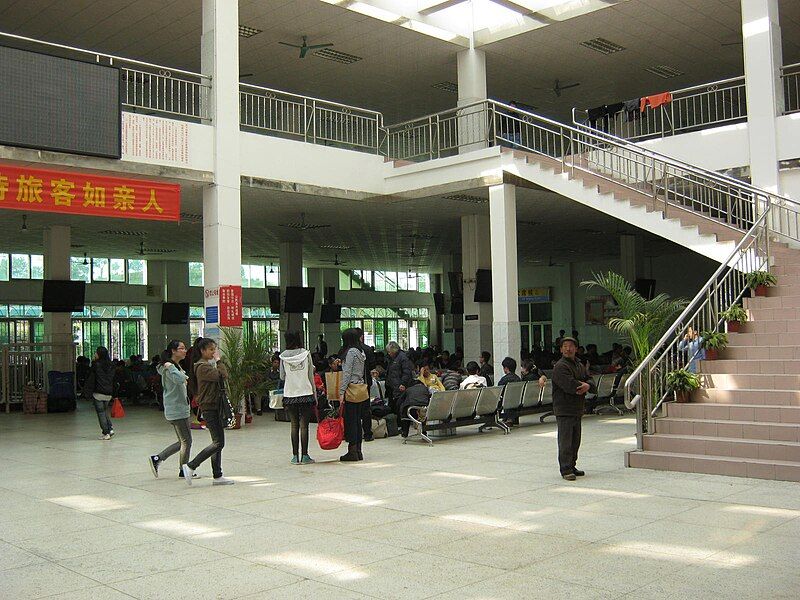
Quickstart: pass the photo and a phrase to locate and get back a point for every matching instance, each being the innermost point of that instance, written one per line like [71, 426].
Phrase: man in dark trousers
[571, 382]
[399, 375]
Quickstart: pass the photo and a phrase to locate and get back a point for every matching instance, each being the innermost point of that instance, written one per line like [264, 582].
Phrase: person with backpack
[210, 375]
[99, 386]
[176, 405]
[473, 379]
[299, 394]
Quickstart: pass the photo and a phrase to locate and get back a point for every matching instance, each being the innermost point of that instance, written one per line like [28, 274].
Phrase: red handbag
[117, 410]
[330, 432]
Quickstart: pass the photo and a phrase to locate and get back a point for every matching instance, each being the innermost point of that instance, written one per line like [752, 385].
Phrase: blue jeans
[184, 443]
[102, 408]
[214, 449]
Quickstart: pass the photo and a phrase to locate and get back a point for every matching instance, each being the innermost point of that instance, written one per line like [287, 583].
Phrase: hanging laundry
[604, 113]
[631, 109]
[595, 114]
[655, 100]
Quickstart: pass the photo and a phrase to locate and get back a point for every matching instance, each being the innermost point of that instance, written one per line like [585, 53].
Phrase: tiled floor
[477, 516]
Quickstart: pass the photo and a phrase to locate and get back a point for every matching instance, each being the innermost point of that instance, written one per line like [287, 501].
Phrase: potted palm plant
[682, 383]
[735, 316]
[713, 342]
[245, 357]
[759, 281]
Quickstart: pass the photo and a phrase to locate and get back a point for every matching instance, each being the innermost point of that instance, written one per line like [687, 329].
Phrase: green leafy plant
[245, 357]
[641, 322]
[681, 380]
[714, 340]
[735, 313]
[757, 278]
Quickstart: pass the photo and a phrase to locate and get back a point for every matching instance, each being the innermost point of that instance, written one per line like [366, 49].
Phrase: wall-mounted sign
[75, 193]
[470, 317]
[534, 295]
[212, 314]
[230, 306]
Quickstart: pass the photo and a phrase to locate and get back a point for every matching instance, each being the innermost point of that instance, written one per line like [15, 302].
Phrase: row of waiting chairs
[489, 406]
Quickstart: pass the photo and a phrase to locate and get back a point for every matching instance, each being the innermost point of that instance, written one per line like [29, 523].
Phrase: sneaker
[105, 437]
[222, 481]
[194, 475]
[307, 460]
[569, 477]
[154, 460]
[111, 433]
[294, 461]
[188, 474]
[578, 472]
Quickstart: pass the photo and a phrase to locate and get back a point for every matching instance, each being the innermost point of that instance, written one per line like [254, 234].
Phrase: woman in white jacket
[299, 394]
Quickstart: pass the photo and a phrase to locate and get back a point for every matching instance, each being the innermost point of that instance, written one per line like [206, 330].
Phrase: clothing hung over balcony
[604, 112]
[655, 100]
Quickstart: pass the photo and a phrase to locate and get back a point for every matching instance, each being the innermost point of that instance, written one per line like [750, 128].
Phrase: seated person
[530, 372]
[451, 379]
[430, 379]
[378, 388]
[509, 369]
[416, 394]
[473, 380]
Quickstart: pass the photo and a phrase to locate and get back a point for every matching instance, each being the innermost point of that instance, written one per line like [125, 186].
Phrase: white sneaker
[105, 437]
[222, 481]
[111, 433]
[188, 474]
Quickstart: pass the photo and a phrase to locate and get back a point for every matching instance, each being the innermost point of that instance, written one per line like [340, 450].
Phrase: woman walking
[353, 391]
[299, 394]
[176, 405]
[210, 374]
[100, 383]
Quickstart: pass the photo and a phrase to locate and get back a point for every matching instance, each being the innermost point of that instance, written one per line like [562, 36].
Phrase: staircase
[745, 421]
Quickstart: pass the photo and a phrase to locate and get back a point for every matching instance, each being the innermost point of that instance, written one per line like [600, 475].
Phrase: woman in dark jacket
[100, 384]
[353, 372]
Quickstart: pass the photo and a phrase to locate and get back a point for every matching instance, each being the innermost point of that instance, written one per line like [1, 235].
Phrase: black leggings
[300, 416]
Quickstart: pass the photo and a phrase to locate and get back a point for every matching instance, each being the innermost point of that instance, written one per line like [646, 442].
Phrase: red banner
[74, 193]
[230, 306]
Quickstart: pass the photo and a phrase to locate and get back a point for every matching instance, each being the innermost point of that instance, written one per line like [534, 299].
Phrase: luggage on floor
[61, 397]
[281, 415]
[34, 401]
[379, 428]
[391, 425]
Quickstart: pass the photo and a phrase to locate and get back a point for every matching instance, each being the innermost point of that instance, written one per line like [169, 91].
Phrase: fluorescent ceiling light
[373, 11]
[537, 5]
[424, 28]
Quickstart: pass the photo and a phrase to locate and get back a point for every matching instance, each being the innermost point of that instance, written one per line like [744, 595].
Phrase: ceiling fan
[302, 225]
[304, 47]
[335, 262]
[558, 88]
[411, 254]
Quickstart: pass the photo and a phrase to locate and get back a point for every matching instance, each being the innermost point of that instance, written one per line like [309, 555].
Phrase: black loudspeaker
[274, 300]
[299, 299]
[646, 287]
[483, 285]
[330, 295]
[438, 300]
[330, 313]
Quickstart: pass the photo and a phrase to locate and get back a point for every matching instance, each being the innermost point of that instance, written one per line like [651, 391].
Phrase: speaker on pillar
[330, 295]
[483, 285]
[646, 287]
[275, 301]
[438, 300]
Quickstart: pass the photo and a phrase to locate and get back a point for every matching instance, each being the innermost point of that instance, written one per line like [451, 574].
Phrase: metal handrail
[723, 290]
[310, 119]
[791, 88]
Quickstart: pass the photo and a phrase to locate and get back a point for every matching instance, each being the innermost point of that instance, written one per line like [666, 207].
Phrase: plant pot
[248, 418]
[237, 421]
[734, 326]
[761, 290]
[712, 354]
[682, 395]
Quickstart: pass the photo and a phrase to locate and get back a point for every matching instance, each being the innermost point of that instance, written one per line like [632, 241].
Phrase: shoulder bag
[356, 392]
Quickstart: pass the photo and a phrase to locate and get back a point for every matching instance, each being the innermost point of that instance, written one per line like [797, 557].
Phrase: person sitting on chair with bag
[353, 390]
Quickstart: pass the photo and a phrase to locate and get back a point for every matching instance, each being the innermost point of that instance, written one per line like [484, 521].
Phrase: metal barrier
[28, 363]
[310, 119]
[791, 88]
[144, 86]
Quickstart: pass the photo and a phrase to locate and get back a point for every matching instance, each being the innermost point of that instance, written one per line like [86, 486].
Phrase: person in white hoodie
[299, 394]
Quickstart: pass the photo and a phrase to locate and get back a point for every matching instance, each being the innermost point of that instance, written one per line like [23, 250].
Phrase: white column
[222, 244]
[58, 326]
[506, 334]
[291, 261]
[156, 332]
[472, 122]
[475, 254]
[763, 58]
[631, 256]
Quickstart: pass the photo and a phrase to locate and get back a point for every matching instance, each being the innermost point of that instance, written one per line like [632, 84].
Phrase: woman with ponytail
[176, 405]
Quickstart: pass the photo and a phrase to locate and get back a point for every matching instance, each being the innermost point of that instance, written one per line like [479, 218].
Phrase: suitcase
[281, 415]
[379, 428]
[61, 397]
[391, 425]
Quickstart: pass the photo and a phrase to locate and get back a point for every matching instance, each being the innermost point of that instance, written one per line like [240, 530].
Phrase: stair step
[723, 446]
[782, 334]
[768, 315]
[753, 397]
[783, 270]
[761, 352]
[751, 367]
[744, 381]
[714, 465]
[758, 302]
[751, 430]
[717, 411]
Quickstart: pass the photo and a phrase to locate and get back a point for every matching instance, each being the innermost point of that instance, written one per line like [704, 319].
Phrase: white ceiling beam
[524, 10]
[433, 6]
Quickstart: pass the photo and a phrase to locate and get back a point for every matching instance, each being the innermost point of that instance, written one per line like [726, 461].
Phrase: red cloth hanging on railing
[655, 100]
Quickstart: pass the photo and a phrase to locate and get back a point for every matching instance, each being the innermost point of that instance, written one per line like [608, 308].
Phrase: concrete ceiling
[399, 66]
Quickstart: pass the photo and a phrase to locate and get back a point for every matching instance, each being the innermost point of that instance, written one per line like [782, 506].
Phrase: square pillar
[222, 246]
[291, 273]
[506, 334]
[58, 326]
[763, 59]
[476, 253]
[631, 257]
[473, 122]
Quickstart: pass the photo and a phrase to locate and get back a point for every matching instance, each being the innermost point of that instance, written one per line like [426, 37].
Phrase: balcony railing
[309, 119]
[791, 88]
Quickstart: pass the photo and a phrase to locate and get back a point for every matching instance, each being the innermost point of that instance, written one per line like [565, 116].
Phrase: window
[37, 266]
[20, 266]
[137, 272]
[257, 278]
[78, 271]
[273, 276]
[99, 269]
[116, 269]
[424, 283]
[196, 274]
[4, 266]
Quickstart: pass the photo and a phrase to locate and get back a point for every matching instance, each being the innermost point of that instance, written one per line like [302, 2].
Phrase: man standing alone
[571, 382]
